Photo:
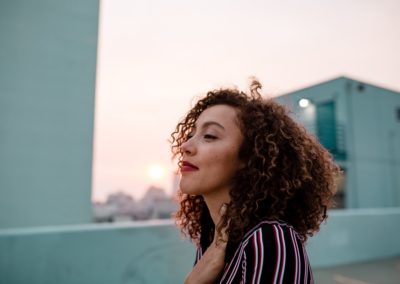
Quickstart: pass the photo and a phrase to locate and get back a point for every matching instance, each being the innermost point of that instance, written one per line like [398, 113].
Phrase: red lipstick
[188, 167]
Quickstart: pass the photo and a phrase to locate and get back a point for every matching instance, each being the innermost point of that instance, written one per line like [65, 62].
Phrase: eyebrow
[209, 123]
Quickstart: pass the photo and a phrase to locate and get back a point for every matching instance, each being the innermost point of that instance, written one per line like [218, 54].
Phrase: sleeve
[275, 254]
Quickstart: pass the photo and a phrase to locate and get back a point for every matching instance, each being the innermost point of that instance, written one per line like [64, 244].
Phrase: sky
[155, 57]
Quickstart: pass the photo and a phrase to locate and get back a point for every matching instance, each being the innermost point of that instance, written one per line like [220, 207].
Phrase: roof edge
[341, 77]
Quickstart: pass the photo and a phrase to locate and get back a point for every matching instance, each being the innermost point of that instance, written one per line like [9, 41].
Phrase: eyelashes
[205, 136]
[210, 137]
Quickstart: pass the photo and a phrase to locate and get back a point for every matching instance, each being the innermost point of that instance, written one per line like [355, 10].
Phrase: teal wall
[369, 133]
[138, 253]
[147, 253]
[47, 86]
[356, 235]
[377, 140]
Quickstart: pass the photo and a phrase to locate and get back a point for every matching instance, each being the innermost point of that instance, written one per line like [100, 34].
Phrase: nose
[188, 147]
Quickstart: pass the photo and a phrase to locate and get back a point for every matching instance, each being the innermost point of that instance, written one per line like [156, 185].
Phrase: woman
[254, 185]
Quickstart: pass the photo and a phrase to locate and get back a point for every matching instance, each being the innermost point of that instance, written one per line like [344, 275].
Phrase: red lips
[188, 167]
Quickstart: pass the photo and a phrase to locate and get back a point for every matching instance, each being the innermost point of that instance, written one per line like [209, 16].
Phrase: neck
[214, 203]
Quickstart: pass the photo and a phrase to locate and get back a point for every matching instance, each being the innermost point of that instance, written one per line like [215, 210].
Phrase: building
[359, 123]
[120, 206]
[47, 89]
[158, 204]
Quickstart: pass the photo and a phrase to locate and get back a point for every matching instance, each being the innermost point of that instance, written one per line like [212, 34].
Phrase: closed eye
[210, 137]
[190, 135]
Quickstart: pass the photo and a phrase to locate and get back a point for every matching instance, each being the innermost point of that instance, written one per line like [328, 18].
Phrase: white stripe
[235, 268]
[278, 254]
[260, 239]
[283, 254]
[297, 257]
[255, 268]
[241, 245]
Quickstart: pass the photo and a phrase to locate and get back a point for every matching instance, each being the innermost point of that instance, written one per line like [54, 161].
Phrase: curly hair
[287, 176]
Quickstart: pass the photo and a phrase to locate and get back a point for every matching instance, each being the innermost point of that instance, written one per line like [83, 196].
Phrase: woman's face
[211, 153]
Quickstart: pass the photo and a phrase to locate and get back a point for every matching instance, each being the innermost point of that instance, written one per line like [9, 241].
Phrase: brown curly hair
[288, 175]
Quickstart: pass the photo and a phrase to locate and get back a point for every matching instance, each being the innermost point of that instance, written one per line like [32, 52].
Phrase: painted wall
[47, 86]
[356, 235]
[144, 253]
[377, 140]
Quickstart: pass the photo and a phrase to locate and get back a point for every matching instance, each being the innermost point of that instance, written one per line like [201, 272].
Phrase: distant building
[155, 204]
[158, 203]
[118, 206]
[359, 124]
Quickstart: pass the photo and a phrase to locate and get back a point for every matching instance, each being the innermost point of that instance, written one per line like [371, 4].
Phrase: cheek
[228, 161]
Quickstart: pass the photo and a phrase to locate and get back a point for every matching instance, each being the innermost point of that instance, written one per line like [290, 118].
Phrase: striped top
[271, 252]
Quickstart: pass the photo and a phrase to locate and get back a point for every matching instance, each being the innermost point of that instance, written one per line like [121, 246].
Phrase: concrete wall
[356, 235]
[139, 253]
[47, 86]
[144, 253]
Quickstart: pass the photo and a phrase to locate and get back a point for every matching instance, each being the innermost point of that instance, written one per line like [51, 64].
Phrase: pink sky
[155, 56]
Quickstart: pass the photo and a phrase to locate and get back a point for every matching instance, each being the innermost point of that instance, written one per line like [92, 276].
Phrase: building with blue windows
[359, 123]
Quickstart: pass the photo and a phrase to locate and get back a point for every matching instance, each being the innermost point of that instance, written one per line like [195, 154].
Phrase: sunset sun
[155, 172]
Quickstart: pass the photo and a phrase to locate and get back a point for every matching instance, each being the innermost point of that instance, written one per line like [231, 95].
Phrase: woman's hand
[211, 264]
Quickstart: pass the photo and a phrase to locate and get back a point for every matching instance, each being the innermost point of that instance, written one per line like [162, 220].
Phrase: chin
[187, 189]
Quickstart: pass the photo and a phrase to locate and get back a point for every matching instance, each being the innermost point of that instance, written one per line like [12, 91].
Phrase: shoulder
[271, 232]
[276, 235]
[270, 252]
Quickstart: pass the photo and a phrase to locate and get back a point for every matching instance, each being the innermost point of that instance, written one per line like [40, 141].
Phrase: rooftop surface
[386, 271]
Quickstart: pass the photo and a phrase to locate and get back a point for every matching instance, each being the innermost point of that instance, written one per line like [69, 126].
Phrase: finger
[222, 209]
[222, 213]
[223, 236]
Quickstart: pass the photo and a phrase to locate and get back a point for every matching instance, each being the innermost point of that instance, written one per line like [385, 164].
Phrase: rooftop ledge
[154, 252]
